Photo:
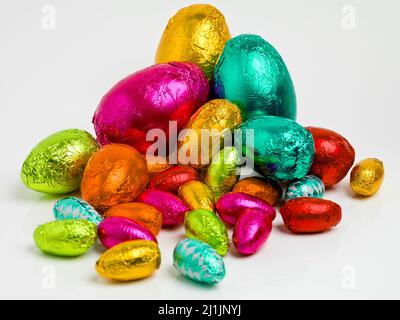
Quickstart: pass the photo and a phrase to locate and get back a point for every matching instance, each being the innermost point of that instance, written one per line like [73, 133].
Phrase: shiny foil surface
[334, 156]
[308, 186]
[252, 74]
[196, 33]
[267, 190]
[144, 214]
[196, 195]
[231, 205]
[198, 261]
[204, 225]
[67, 238]
[171, 207]
[131, 260]
[310, 215]
[115, 174]
[114, 230]
[75, 208]
[157, 164]
[149, 99]
[56, 164]
[251, 231]
[367, 176]
[281, 149]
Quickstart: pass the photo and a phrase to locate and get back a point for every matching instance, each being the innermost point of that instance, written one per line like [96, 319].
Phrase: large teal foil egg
[252, 74]
[280, 148]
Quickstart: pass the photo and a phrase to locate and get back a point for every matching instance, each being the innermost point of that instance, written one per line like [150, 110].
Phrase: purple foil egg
[171, 207]
[114, 230]
[251, 231]
[232, 204]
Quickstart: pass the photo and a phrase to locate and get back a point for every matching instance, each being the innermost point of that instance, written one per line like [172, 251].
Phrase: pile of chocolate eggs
[203, 80]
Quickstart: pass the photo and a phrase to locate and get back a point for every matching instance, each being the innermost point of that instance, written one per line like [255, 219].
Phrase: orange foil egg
[115, 174]
[265, 189]
[157, 164]
[171, 179]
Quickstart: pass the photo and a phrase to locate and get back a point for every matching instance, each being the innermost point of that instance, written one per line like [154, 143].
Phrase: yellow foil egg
[367, 176]
[197, 34]
[129, 260]
[196, 195]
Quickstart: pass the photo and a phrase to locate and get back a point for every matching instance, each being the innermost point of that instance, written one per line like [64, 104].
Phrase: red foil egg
[309, 215]
[334, 156]
[171, 179]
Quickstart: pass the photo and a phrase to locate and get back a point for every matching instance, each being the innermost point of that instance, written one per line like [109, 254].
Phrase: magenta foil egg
[171, 207]
[149, 99]
[232, 204]
[251, 231]
[114, 230]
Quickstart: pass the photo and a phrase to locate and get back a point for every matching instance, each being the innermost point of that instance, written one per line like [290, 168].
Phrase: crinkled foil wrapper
[367, 176]
[265, 189]
[75, 208]
[196, 195]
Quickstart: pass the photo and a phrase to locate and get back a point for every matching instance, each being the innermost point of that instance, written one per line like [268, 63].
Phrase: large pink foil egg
[149, 99]
[114, 230]
[251, 231]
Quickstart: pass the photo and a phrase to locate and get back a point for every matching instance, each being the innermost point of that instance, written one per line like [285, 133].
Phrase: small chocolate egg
[367, 176]
[279, 148]
[171, 179]
[150, 99]
[67, 238]
[157, 164]
[130, 260]
[75, 208]
[196, 33]
[204, 225]
[198, 261]
[171, 207]
[308, 186]
[117, 173]
[196, 195]
[334, 156]
[144, 214]
[231, 205]
[222, 173]
[266, 189]
[252, 74]
[251, 231]
[56, 164]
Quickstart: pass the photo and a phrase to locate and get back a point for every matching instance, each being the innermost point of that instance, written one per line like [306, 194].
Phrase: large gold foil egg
[367, 176]
[197, 34]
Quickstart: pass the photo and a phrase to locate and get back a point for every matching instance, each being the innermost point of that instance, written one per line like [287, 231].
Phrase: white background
[345, 79]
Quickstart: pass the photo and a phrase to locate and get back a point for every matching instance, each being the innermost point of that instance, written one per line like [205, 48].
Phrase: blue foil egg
[309, 186]
[75, 208]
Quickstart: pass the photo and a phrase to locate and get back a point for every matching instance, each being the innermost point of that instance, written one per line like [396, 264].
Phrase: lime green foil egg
[67, 238]
[56, 164]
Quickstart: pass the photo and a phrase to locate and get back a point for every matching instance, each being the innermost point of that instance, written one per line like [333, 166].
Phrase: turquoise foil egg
[75, 208]
[198, 261]
[309, 186]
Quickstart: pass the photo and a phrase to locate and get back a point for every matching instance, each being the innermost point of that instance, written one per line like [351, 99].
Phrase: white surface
[346, 80]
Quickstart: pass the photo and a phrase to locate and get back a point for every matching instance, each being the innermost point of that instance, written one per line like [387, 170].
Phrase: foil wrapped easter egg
[75, 208]
[171, 179]
[222, 172]
[334, 156]
[171, 207]
[114, 230]
[204, 225]
[367, 176]
[251, 231]
[157, 164]
[198, 261]
[144, 214]
[252, 74]
[279, 148]
[196, 33]
[149, 99]
[265, 189]
[231, 205]
[310, 215]
[56, 164]
[308, 186]
[67, 238]
[115, 174]
[130, 260]
[206, 130]
[196, 195]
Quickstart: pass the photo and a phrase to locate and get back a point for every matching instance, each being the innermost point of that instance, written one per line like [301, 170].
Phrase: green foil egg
[67, 238]
[279, 148]
[56, 164]
[204, 225]
[252, 74]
